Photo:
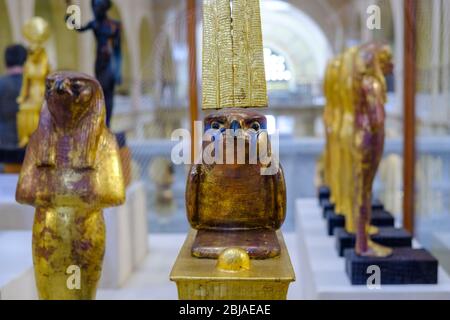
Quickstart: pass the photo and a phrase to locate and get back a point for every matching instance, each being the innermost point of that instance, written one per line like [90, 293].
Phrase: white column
[86, 41]
[435, 61]
[130, 22]
[19, 12]
[435, 44]
[13, 7]
[399, 51]
[446, 56]
[27, 10]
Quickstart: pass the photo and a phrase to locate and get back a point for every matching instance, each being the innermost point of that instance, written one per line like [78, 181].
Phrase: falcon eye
[77, 86]
[215, 125]
[48, 85]
[255, 126]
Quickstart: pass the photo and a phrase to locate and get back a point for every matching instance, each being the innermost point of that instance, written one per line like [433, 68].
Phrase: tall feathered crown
[233, 58]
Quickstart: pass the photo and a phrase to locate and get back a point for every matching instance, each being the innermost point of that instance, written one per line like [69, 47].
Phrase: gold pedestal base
[199, 279]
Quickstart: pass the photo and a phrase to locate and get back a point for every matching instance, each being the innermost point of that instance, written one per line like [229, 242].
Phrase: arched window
[278, 74]
[299, 47]
[276, 67]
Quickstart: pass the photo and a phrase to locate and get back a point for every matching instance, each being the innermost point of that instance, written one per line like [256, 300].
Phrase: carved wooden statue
[36, 69]
[374, 61]
[234, 205]
[235, 196]
[71, 171]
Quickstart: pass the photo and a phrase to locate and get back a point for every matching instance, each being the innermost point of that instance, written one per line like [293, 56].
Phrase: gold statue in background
[36, 69]
[339, 118]
[332, 121]
[346, 133]
[354, 117]
[372, 63]
[72, 170]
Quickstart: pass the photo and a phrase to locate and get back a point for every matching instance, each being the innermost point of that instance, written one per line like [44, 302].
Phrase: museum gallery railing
[299, 160]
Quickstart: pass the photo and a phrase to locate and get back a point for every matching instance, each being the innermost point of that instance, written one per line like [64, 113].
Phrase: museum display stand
[126, 236]
[323, 274]
[16, 266]
[199, 279]
[440, 247]
[405, 265]
[12, 215]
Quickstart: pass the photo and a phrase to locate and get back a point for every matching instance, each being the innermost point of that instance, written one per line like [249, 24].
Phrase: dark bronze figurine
[108, 62]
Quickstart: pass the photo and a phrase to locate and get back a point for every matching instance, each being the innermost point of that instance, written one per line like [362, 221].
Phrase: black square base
[323, 194]
[404, 266]
[380, 218]
[387, 236]
[12, 155]
[377, 205]
[121, 138]
[327, 207]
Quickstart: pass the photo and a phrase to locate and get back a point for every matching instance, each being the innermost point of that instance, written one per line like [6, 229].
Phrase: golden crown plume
[233, 58]
[36, 30]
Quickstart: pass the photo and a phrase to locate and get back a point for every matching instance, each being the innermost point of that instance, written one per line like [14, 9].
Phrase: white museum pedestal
[16, 266]
[322, 272]
[126, 232]
[441, 248]
[12, 215]
[126, 237]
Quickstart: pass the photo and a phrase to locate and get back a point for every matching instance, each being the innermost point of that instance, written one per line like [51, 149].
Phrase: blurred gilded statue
[162, 175]
[332, 122]
[36, 31]
[355, 90]
[72, 170]
[373, 64]
[345, 182]
[339, 118]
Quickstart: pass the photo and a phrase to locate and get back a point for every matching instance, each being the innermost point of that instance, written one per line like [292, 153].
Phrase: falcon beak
[235, 125]
[62, 86]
